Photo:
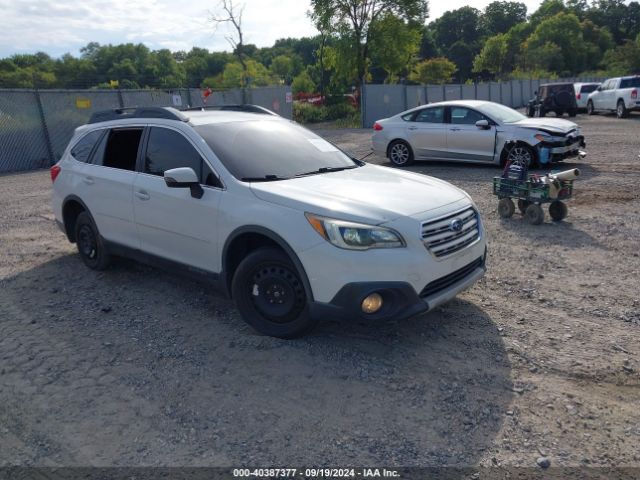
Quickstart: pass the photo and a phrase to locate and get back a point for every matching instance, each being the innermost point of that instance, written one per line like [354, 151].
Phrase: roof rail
[244, 107]
[167, 113]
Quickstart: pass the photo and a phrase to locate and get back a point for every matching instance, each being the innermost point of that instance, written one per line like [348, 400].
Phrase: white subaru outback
[288, 225]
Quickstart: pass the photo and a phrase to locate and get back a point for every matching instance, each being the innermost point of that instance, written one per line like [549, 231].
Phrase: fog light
[372, 303]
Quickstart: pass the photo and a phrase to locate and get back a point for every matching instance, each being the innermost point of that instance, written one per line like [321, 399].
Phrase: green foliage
[500, 16]
[433, 70]
[308, 113]
[303, 83]
[493, 56]
[233, 75]
[624, 59]
[282, 67]
[394, 45]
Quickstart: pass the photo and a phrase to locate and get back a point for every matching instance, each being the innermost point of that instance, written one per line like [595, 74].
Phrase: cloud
[64, 26]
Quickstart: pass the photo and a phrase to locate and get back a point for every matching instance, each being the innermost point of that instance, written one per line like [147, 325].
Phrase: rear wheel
[270, 294]
[573, 112]
[534, 214]
[400, 153]
[506, 208]
[558, 210]
[89, 242]
[590, 109]
[559, 113]
[621, 110]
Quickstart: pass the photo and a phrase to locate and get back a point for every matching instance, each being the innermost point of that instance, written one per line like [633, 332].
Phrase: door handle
[88, 180]
[142, 195]
[413, 128]
[454, 129]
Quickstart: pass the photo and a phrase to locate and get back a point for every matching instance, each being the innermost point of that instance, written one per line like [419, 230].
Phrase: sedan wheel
[400, 154]
[521, 155]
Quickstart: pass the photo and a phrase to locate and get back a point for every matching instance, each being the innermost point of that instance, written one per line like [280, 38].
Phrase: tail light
[634, 93]
[578, 96]
[55, 170]
[377, 127]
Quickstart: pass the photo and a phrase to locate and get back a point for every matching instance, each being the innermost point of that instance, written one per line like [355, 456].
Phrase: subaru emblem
[456, 225]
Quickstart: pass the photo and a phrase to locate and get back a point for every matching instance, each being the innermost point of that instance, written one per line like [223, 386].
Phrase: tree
[394, 45]
[233, 16]
[493, 56]
[352, 20]
[564, 32]
[500, 16]
[434, 70]
[282, 67]
[303, 83]
[234, 73]
[458, 25]
[547, 9]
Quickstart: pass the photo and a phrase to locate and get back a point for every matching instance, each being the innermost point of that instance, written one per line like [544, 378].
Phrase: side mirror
[483, 124]
[599, 89]
[184, 177]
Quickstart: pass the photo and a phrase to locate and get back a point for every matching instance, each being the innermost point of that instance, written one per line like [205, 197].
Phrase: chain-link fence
[382, 101]
[36, 125]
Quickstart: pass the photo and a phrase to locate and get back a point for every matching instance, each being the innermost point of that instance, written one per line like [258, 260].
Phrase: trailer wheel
[534, 214]
[558, 210]
[522, 205]
[506, 208]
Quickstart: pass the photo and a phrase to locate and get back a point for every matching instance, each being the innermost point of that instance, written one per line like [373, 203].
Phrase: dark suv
[553, 97]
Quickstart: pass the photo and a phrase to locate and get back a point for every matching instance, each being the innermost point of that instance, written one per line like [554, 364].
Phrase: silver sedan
[475, 131]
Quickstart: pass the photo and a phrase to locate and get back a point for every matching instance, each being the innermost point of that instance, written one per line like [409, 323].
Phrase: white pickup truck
[616, 94]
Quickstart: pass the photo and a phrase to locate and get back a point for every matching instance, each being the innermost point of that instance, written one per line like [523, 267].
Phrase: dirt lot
[134, 366]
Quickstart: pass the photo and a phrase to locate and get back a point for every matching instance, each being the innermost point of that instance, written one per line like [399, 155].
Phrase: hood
[368, 194]
[549, 125]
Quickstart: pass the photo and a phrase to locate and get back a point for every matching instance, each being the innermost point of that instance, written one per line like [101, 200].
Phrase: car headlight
[354, 236]
[542, 137]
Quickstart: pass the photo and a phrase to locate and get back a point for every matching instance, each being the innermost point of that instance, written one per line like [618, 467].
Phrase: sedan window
[431, 115]
[465, 116]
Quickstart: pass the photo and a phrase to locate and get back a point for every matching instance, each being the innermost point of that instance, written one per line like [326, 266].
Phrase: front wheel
[400, 153]
[506, 208]
[621, 110]
[523, 205]
[558, 210]
[270, 294]
[573, 113]
[522, 155]
[590, 109]
[89, 242]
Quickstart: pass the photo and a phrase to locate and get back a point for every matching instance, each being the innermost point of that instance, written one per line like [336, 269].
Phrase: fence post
[426, 95]
[475, 90]
[444, 92]
[522, 93]
[45, 130]
[489, 85]
[363, 105]
[189, 97]
[120, 98]
[511, 94]
[500, 89]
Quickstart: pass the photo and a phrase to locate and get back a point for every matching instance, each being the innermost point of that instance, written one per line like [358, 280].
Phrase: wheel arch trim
[65, 202]
[271, 235]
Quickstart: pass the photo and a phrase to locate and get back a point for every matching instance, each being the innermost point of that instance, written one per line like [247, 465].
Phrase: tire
[522, 205]
[534, 214]
[563, 100]
[89, 242]
[542, 112]
[559, 113]
[573, 113]
[590, 109]
[558, 210]
[400, 153]
[506, 208]
[270, 294]
[522, 155]
[621, 110]
[531, 112]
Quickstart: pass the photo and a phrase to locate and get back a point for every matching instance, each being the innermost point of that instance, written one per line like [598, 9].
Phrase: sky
[62, 26]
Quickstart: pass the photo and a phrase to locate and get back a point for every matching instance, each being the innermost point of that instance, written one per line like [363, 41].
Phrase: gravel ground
[133, 366]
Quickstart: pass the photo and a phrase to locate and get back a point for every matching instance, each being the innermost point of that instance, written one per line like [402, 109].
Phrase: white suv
[292, 228]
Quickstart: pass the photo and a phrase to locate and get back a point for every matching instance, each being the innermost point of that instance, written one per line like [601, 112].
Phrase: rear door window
[82, 149]
[120, 149]
[431, 115]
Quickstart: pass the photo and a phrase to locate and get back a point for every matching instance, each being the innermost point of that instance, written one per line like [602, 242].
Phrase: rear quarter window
[630, 82]
[588, 88]
[81, 151]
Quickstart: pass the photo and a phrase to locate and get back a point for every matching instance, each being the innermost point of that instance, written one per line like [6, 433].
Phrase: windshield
[258, 150]
[500, 113]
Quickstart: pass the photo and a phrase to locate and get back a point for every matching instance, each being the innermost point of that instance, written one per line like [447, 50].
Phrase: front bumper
[557, 151]
[400, 299]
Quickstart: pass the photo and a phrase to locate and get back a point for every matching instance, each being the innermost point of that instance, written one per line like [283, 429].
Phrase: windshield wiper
[325, 170]
[266, 178]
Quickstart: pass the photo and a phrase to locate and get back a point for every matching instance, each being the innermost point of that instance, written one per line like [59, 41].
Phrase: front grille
[441, 240]
[445, 282]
